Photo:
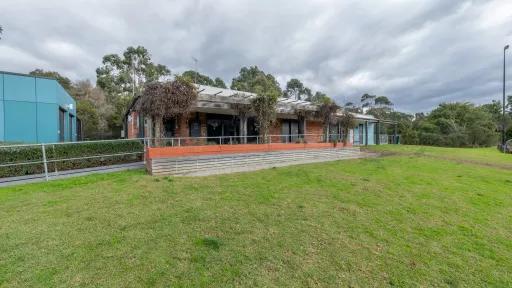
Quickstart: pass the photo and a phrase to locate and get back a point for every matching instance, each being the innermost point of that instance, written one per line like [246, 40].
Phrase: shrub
[87, 150]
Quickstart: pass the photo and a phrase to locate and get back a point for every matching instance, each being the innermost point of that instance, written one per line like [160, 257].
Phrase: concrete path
[69, 173]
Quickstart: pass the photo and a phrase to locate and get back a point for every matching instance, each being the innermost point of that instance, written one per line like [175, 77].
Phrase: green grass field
[415, 217]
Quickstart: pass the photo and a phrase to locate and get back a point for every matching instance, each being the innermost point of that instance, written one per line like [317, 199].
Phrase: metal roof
[212, 94]
[214, 91]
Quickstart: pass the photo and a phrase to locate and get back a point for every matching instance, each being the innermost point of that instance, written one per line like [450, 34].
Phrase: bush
[33, 153]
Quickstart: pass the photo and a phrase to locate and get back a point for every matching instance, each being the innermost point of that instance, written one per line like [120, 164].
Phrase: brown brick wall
[314, 127]
[276, 130]
[133, 129]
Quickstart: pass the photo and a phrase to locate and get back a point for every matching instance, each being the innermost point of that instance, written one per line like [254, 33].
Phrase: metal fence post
[55, 157]
[44, 162]
[145, 149]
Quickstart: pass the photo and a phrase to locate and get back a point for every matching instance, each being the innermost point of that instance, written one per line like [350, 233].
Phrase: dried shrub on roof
[168, 99]
[347, 121]
[242, 109]
[327, 113]
[303, 113]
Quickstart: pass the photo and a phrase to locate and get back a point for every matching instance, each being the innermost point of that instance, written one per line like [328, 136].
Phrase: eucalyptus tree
[296, 90]
[201, 79]
[267, 89]
[126, 74]
[123, 76]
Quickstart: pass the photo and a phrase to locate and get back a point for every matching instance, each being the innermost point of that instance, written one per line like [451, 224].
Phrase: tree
[129, 72]
[320, 98]
[296, 90]
[197, 78]
[123, 76]
[201, 79]
[91, 119]
[266, 88]
[347, 121]
[368, 100]
[253, 80]
[219, 83]
[167, 100]
[263, 106]
[383, 102]
[84, 90]
[457, 125]
[65, 82]
[351, 107]
[408, 135]
[327, 114]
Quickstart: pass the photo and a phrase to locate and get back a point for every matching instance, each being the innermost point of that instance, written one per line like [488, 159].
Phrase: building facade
[217, 117]
[35, 110]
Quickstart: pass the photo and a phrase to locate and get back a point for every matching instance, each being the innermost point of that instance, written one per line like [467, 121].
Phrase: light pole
[503, 119]
[195, 69]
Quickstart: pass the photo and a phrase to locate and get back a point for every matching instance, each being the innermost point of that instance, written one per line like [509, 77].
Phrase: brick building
[215, 118]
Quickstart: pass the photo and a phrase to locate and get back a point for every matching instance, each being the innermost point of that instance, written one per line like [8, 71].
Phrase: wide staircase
[238, 162]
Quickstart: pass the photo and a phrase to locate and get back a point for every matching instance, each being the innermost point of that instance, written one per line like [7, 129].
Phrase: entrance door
[71, 128]
[361, 134]
[61, 125]
[169, 127]
[220, 127]
[78, 129]
[291, 129]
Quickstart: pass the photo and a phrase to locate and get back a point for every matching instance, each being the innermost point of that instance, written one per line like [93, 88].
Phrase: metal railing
[50, 159]
[233, 140]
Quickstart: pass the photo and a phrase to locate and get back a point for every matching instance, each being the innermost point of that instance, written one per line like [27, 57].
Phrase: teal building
[35, 110]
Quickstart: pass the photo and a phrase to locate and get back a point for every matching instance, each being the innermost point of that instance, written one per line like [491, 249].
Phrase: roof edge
[26, 75]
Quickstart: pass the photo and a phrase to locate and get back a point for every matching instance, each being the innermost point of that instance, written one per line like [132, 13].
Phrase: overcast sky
[418, 53]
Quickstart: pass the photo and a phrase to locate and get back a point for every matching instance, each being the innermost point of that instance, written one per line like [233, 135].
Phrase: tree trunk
[327, 133]
[158, 130]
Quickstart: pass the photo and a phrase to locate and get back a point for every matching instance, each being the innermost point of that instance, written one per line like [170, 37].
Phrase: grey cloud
[419, 53]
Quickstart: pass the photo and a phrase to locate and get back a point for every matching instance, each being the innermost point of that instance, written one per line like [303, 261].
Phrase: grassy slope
[486, 156]
[402, 220]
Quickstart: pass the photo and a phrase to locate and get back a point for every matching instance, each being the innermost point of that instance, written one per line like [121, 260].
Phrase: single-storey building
[35, 110]
[217, 116]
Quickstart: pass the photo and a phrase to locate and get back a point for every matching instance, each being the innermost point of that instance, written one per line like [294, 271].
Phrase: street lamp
[503, 120]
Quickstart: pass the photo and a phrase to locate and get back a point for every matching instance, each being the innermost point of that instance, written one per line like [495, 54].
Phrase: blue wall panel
[19, 88]
[63, 99]
[371, 133]
[1, 86]
[73, 131]
[45, 90]
[47, 123]
[1, 120]
[20, 122]
[66, 127]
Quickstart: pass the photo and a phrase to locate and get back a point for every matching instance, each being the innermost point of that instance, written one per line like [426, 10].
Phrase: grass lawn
[418, 217]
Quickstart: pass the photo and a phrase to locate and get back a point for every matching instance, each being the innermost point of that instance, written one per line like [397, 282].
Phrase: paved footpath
[68, 174]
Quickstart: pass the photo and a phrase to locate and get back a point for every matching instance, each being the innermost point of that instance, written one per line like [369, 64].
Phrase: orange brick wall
[133, 126]
[314, 127]
[276, 130]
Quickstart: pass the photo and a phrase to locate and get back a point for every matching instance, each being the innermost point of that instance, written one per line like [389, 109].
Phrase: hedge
[20, 154]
